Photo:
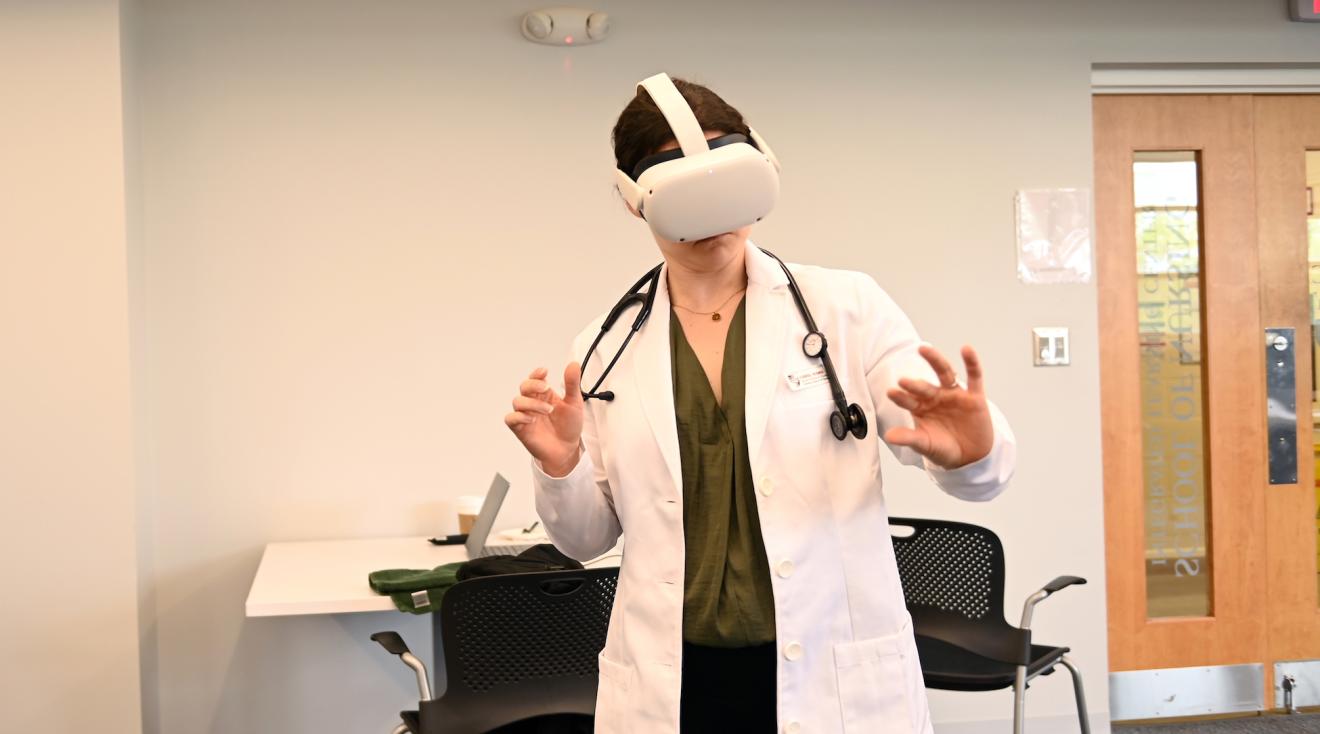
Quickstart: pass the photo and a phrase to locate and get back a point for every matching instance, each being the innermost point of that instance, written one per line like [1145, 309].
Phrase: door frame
[1197, 78]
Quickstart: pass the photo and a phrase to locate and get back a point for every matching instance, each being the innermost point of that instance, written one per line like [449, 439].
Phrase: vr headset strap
[681, 121]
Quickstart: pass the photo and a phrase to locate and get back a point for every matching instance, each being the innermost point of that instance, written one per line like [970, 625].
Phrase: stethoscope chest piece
[854, 423]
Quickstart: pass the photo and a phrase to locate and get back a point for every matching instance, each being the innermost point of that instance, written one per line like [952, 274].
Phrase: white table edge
[338, 602]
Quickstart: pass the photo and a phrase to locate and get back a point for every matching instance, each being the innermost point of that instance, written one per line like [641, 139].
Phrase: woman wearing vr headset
[759, 590]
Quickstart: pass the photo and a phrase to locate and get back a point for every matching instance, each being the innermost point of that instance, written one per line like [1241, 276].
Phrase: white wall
[68, 623]
[364, 222]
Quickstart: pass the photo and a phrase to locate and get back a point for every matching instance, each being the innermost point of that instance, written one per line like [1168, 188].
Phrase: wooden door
[1201, 244]
[1287, 136]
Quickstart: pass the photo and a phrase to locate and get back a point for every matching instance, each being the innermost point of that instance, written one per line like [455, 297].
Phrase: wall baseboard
[1035, 725]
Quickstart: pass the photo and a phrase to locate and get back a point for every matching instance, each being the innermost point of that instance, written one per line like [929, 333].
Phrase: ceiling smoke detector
[565, 26]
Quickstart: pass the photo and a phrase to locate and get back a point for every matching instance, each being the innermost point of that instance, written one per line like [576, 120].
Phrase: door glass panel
[1166, 193]
[1313, 250]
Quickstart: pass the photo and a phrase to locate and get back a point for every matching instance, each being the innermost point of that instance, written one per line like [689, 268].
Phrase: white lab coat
[847, 660]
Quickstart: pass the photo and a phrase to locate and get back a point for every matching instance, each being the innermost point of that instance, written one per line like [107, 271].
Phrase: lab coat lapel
[654, 376]
[767, 322]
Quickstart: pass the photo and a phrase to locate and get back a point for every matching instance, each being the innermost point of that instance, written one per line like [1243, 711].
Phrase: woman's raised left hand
[952, 423]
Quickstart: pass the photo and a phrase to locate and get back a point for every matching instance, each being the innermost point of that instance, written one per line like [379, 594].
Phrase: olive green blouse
[727, 599]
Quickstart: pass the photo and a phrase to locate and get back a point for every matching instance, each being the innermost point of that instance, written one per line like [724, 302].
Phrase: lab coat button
[792, 727]
[766, 486]
[793, 651]
[784, 569]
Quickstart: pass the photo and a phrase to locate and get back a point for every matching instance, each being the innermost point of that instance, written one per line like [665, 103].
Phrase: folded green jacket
[415, 591]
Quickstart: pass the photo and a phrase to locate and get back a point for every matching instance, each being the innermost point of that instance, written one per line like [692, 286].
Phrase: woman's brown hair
[642, 129]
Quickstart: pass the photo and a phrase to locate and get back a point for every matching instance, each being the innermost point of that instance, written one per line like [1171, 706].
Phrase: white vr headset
[703, 188]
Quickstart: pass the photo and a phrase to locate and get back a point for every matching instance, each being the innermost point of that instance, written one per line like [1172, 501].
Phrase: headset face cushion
[676, 153]
[707, 194]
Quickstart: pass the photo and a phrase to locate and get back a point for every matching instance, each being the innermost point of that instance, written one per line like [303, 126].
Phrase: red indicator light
[569, 39]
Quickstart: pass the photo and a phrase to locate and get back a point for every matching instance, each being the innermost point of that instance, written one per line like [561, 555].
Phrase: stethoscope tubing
[836, 389]
[633, 296]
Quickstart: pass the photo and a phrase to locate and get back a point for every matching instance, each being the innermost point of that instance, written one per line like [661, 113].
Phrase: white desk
[330, 576]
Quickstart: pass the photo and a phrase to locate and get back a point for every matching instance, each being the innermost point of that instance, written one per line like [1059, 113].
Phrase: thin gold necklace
[714, 315]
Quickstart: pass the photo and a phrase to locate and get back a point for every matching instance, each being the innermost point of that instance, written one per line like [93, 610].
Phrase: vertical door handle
[1281, 403]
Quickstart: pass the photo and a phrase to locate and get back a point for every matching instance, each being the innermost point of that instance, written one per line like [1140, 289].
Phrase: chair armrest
[394, 644]
[391, 641]
[1062, 582]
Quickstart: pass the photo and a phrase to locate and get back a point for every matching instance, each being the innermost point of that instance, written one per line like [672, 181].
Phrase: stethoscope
[846, 418]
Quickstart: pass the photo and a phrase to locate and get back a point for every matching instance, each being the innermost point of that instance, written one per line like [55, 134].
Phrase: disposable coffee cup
[468, 506]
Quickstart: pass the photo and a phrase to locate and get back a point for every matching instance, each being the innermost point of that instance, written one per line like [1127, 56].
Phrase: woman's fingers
[573, 383]
[534, 388]
[516, 420]
[545, 423]
[918, 441]
[525, 404]
[519, 419]
[975, 375]
[944, 370]
[904, 399]
[920, 388]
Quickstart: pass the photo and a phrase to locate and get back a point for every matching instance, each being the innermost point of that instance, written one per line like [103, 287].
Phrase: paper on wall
[1054, 236]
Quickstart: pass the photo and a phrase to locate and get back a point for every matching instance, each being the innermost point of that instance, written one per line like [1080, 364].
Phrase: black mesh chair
[516, 648]
[953, 584]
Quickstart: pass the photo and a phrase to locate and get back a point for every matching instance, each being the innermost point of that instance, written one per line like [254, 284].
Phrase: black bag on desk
[538, 558]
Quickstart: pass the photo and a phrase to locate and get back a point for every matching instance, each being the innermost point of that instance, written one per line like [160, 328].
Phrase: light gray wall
[68, 622]
[364, 222]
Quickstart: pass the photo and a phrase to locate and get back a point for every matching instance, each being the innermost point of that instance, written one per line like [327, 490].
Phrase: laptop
[476, 542]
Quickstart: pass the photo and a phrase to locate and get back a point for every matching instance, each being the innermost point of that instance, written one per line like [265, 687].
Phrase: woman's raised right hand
[548, 424]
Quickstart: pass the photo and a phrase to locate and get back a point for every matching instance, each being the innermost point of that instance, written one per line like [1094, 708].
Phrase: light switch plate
[1049, 346]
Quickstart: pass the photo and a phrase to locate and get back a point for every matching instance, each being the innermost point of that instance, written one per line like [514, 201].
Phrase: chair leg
[1020, 699]
[1082, 717]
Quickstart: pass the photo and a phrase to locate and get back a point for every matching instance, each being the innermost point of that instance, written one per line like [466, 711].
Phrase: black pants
[728, 689]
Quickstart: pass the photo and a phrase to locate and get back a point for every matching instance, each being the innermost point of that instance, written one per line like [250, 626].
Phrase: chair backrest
[521, 645]
[953, 584]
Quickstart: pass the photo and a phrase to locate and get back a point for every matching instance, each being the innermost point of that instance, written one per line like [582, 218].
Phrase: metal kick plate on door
[1281, 403]
[1170, 692]
[1306, 673]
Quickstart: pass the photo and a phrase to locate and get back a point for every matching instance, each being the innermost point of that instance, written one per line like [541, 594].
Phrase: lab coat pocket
[612, 695]
[809, 398]
[873, 689]
[804, 414]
